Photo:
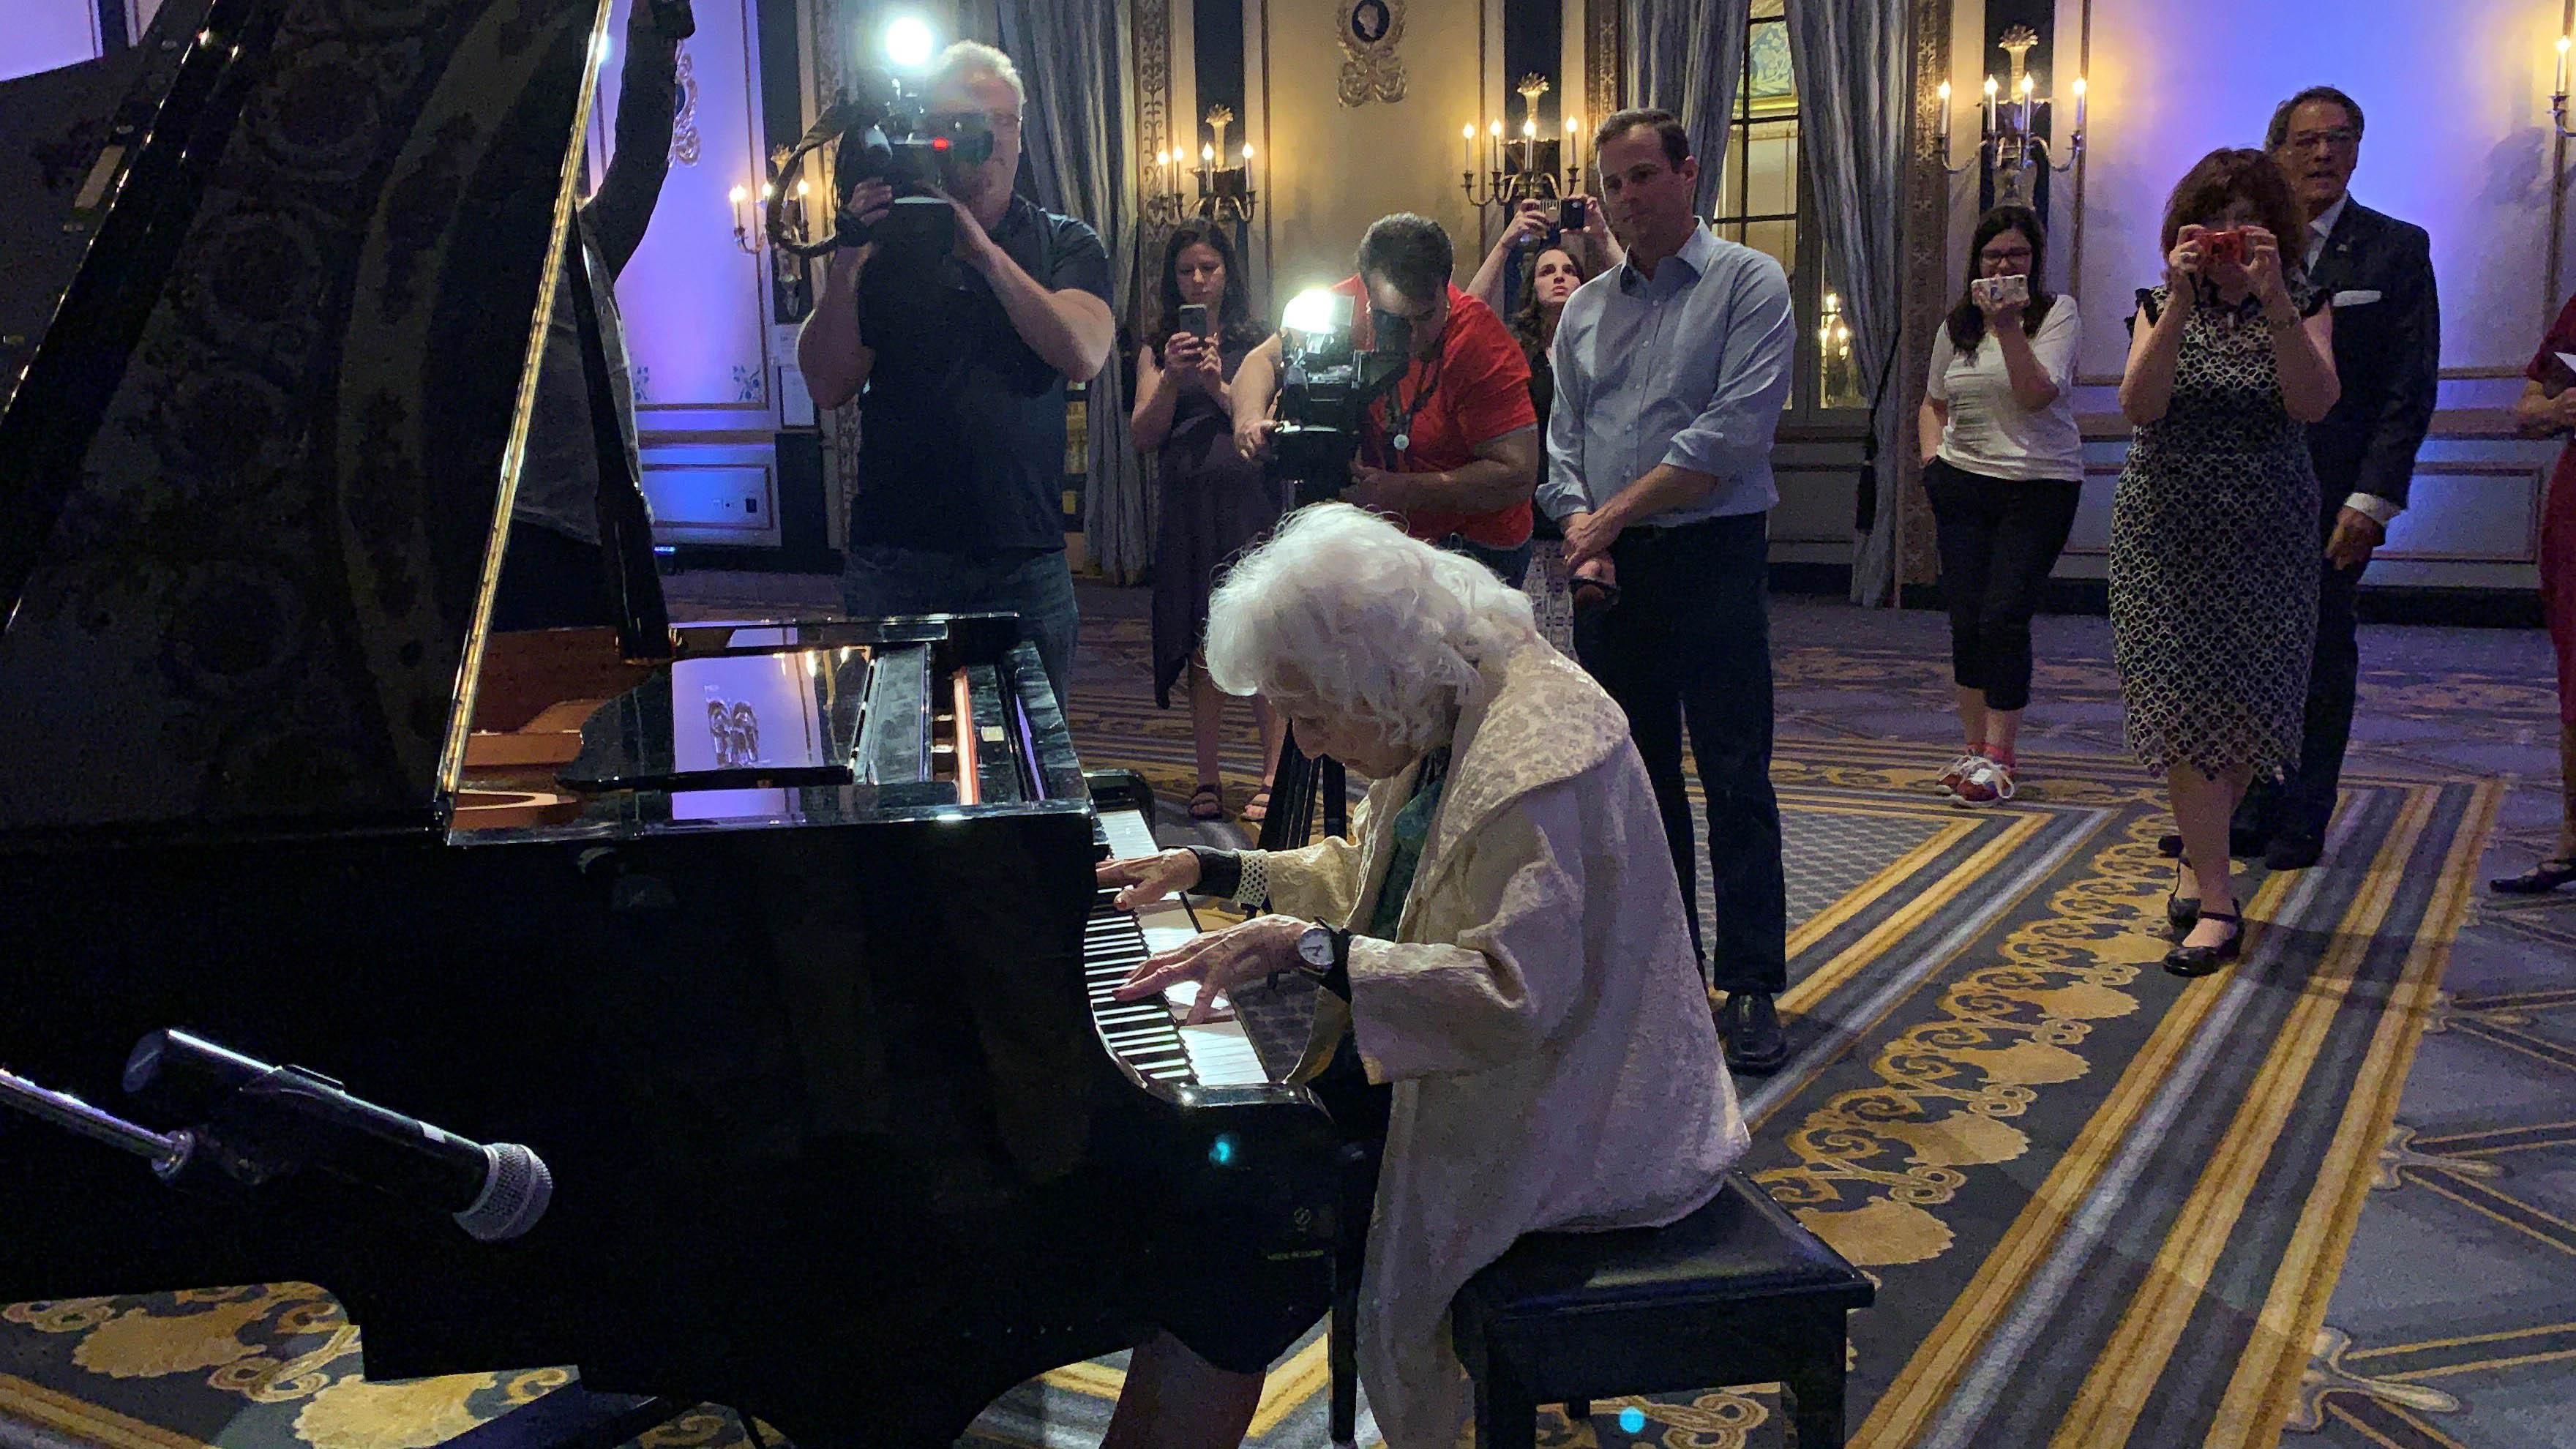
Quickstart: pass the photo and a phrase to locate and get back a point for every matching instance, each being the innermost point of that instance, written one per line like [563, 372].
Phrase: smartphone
[1570, 214]
[2224, 246]
[1998, 291]
[1194, 318]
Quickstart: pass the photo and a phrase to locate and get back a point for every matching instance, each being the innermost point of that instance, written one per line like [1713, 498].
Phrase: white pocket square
[2355, 299]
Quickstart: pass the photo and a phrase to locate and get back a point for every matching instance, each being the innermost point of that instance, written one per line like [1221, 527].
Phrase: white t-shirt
[1991, 434]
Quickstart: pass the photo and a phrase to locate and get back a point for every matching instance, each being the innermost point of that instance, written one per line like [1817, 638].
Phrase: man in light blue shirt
[1671, 371]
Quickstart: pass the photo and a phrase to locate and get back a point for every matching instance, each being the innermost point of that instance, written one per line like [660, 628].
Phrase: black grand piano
[777, 941]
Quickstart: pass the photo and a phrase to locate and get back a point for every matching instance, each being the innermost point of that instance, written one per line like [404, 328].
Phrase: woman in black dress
[1215, 502]
[2214, 524]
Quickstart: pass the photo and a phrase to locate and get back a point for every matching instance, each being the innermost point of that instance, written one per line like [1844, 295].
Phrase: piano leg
[573, 1417]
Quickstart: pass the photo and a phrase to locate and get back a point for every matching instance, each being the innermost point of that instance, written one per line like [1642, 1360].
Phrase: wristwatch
[1319, 949]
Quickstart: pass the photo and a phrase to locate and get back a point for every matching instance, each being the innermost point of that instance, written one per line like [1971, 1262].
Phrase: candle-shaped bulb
[1943, 91]
[1494, 129]
[1573, 124]
[2563, 43]
[1207, 155]
[804, 188]
[2028, 84]
[1529, 129]
[1247, 153]
[738, 196]
[1990, 88]
[2079, 105]
[1467, 132]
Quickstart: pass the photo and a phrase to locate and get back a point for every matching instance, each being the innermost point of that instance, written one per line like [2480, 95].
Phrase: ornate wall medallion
[684, 124]
[1370, 68]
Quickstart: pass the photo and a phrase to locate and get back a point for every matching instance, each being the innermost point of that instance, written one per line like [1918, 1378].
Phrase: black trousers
[1688, 646]
[2303, 803]
[550, 580]
[1999, 538]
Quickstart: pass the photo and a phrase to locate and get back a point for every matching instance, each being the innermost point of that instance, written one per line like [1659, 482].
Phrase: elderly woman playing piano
[1499, 942]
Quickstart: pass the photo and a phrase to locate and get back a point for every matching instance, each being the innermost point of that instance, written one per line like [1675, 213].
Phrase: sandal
[1257, 809]
[1207, 803]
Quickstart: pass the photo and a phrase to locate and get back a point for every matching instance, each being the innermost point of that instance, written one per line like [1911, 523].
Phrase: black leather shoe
[2540, 880]
[2292, 852]
[2197, 961]
[1749, 1025]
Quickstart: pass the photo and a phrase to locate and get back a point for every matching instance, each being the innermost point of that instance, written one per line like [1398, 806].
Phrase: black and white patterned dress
[2214, 555]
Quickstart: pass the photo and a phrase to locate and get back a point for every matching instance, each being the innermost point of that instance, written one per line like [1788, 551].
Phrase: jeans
[2302, 804]
[1999, 539]
[1038, 587]
[1688, 646]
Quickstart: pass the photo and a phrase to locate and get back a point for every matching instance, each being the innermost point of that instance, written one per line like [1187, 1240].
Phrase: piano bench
[1738, 1292]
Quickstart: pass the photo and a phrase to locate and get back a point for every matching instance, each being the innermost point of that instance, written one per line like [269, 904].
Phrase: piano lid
[250, 479]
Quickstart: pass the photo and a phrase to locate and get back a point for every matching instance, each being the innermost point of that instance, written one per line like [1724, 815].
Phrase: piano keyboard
[1148, 1035]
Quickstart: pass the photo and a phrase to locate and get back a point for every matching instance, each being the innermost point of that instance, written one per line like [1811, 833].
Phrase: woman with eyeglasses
[2004, 466]
[1216, 503]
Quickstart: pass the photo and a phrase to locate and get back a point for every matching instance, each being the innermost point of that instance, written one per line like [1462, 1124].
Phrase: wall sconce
[2558, 92]
[1225, 193]
[751, 223]
[1537, 172]
[2008, 147]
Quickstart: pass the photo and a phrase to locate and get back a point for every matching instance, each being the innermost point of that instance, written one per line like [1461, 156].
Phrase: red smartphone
[2224, 246]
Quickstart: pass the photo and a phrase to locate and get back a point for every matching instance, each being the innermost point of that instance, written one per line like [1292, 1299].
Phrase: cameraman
[1452, 449]
[964, 362]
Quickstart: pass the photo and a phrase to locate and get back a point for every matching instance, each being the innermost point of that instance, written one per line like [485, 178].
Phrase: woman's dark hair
[1235, 324]
[1526, 326]
[1967, 323]
[2224, 176]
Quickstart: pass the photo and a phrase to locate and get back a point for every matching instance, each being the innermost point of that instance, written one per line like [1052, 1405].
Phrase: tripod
[1294, 784]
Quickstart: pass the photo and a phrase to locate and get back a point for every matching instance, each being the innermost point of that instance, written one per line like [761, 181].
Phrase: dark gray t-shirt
[961, 430]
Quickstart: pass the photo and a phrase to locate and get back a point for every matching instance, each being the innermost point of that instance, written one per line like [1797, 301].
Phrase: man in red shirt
[1451, 451]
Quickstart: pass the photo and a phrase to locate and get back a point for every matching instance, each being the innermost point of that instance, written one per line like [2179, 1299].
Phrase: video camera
[1325, 389]
[879, 133]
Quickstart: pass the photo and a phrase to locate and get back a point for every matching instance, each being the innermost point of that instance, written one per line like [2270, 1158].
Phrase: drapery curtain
[1687, 57]
[1853, 89]
[1074, 57]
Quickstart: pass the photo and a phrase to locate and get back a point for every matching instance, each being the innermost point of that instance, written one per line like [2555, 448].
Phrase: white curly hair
[1340, 608]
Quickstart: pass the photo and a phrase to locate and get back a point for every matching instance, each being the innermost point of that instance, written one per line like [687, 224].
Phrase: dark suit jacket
[2388, 356]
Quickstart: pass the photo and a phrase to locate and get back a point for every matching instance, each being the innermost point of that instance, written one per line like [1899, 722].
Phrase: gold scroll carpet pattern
[2005, 1034]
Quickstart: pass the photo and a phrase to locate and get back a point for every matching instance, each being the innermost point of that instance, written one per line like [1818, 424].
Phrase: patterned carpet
[2318, 1195]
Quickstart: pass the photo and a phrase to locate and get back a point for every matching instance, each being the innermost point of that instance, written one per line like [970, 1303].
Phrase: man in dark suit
[2388, 348]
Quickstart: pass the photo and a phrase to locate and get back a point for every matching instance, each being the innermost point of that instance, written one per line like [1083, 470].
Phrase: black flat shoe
[2181, 912]
[1749, 1027]
[2540, 880]
[2197, 961]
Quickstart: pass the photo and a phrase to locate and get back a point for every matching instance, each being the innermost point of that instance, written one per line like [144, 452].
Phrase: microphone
[273, 1119]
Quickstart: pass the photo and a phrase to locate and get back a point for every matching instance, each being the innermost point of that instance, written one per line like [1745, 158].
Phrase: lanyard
[1399, 416]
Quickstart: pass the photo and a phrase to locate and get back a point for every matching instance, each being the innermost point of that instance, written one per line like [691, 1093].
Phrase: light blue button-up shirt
[1688, 367]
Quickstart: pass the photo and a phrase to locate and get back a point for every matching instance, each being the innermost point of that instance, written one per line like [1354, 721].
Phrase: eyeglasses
[2336, 139]
[2015, 254]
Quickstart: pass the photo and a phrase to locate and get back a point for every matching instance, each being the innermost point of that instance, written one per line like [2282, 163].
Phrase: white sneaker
[1948, 784]
[1986, 782]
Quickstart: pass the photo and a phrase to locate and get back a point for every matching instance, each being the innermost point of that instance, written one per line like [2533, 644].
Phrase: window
[1760, 198]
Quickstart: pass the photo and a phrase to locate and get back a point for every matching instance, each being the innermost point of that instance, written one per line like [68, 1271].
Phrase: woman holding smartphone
[2004, 465]
[2214, 526]
[1215, 503]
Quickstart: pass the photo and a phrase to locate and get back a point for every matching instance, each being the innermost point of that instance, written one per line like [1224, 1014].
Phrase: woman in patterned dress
[1215, 502]
[2213, 529]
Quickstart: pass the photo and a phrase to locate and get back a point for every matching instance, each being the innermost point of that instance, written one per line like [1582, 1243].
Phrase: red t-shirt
[2548, 371]
[1474, 391]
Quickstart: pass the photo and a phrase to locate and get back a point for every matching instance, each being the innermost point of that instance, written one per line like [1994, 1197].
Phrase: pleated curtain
[1853, 89]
